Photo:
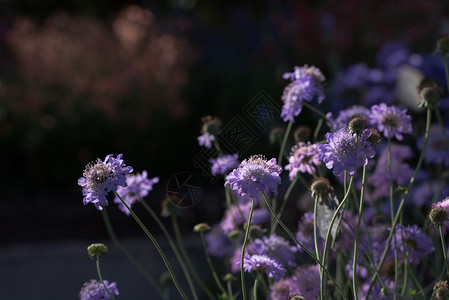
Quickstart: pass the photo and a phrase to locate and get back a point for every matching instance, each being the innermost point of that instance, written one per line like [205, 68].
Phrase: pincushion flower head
[391, 121]
[303, 159]
[346, 151]
[306, 84]
[255, 175]
[211, 127]
[94, 290]
[263, 264]
[138, 187]
[102, 177]
[221, 165]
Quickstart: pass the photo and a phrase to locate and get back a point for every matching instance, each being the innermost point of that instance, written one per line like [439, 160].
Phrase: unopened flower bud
[442, 45]
[168, 207]
[292, 296]
[276, 135]
[357, 124]
[201, 227]
[256, 231]
[321, 188]
[235, 234]
[211, 125]
[440, 291]
[429, 93]
[438, 215]
[302, 133]
[97, 249]
[228, 277]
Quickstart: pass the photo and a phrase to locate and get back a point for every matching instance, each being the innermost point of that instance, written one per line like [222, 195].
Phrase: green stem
[326, 244]
[401, 204]
[211, 266]
[284, 201]
[230, 293]
[242, 274]
[320, 113]
[173, 247]
[315, 227]
[443, 245]
[255, 287]
[101, 277]
[292, 236]
[357, 231]
[187, 258]
[161, 253]
[128, 255]
[446, 71]
[317, 129]
[284, 142]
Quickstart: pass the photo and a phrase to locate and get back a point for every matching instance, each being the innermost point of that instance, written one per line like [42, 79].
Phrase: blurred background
[82, 79]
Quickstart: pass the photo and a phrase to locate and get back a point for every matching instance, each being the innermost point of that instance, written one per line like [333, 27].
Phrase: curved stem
[175, 250]
[255, 287]
[443, 245]
[320, 113]
[211, 266]
[284, 201]
[284, 142]
[101, 278]
[326, 244]
[161, 253]
[404, 196]
[292, 236]
[128, 255]
[242, 274]
[357, 231]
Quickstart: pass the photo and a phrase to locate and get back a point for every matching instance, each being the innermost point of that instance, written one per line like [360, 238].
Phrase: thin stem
[211, 266]
[230, 293]
[404, 196]
[128, 255]
[357, 231]
[292, 236]
[446, 71]
[173, 247]
[255, 287]
[101, 278]
[242, 274]
[284, 142]
[284, 201]
[161, 253]
[315, 227]
[326, 244]
[443, 245]
[317, 130]
[320, 113]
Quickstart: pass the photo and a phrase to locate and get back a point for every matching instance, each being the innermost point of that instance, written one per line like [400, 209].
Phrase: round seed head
[97, 249]
[438, 216]
[357, 124]
[442, 45]
[302, 133]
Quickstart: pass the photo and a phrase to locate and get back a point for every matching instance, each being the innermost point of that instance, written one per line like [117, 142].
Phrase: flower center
[97, 174]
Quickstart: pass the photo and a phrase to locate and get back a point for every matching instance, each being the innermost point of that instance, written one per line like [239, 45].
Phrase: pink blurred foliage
[126, 69]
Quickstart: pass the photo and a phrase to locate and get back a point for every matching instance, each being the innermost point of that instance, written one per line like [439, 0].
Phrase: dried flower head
[321, 188]
[442, 45]
[301, 133]
[440, 291]
[438, 215]
[357, 123]
[429, 93]
[97, 249]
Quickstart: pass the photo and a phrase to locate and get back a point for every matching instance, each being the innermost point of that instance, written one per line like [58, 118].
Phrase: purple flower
[305, 281]
[306, 84]
[304, 158]
[344, 152]
[345, 115]
[102, 177]
[275, 247]
[443, 203]
[237, 215]
[255, 175]
[206, 140]
[280, 290]
[94, 290]
[437, 148]
[224, 163]
[305, 233]
[391, 121]
[217, 242]
[413, 241]
[137, 188]
[263, 264]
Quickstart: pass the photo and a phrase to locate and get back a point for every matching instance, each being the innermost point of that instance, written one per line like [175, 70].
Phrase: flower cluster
[94, 290]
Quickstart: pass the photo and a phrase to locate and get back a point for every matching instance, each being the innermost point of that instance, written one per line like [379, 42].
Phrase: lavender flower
[443, 204]
[94, 290]
[305, 281]
[210, 128]
[345, 115]
[102, 177]
[304, 158]
[275, 247]
[138, 187]
[255, 175]
[280, 290]
[217, 242]
[437, 150]
[345, 152]
[306, 84]
[391, 121]
[263, 264]
[237, 215]
[413, 241]
[206, 140]
[224, 163]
